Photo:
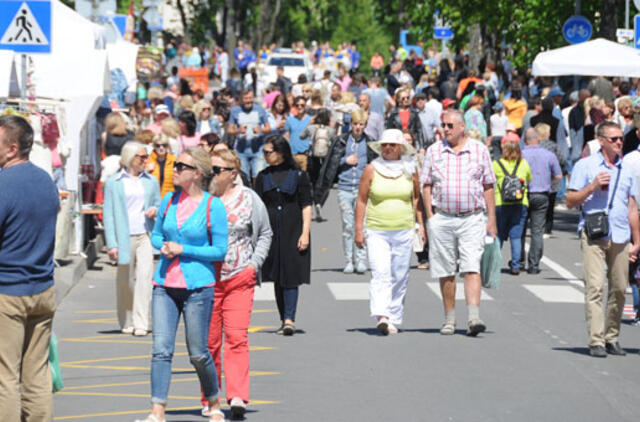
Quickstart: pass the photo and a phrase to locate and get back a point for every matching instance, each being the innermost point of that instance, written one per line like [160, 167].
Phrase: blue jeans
[287, 301]
[511, 220]
[252, 162]
[196, 306]
[347, 204]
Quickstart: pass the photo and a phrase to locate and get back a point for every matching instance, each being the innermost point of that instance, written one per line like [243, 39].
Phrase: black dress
[285, 192]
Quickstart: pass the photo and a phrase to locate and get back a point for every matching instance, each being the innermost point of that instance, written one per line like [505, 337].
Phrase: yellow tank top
[390, 205]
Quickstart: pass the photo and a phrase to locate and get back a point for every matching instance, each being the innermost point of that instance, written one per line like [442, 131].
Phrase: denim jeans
[252, 162]
[347, 203]
[287, 301]
[196, 306]
[536, 220]
[511, 220]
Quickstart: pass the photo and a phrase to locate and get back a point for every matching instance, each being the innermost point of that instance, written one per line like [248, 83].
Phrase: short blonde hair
[146, 137]
[170, 128]
[544, 130]
[347, 97]
[115, 124]
[359, 116]
[201, 160]
[229, 157]
[474, 134]
[624, 101]
[186, 103]
[201, 105]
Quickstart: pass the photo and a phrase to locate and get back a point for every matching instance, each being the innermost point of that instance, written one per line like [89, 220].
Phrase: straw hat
[392, 136]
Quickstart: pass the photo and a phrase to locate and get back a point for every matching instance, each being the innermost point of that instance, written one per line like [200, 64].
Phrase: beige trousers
[133, 284]
[25, 379]
[595, 255]
[302, 160]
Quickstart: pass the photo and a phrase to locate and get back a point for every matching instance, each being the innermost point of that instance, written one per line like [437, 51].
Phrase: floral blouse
[240, 249]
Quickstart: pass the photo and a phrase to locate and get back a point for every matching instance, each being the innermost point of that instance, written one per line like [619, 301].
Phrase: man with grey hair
[545, 169]
[28, 210]
[458, 180]
[375, 122]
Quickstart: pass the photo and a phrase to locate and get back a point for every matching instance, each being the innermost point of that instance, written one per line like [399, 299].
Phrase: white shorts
[453, 238]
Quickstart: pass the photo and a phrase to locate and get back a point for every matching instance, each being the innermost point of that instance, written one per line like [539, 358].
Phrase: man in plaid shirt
[458, 188]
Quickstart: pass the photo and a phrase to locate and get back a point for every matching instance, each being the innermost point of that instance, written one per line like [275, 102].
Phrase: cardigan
[116, 221]
[196, 260]
[261, 233]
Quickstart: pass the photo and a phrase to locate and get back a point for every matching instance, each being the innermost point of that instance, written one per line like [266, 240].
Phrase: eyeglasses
[301, 105]
[179, 166]
[160, 145]
[218, 169]
[404, 98]
[613, 138]
[142, 157]
[268, 152]
[449, 125]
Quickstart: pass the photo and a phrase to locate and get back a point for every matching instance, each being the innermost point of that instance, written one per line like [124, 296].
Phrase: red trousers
[232, 304]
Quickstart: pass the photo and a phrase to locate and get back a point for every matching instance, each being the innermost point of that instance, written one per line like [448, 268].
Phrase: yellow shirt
[523, 173]
[390, 207]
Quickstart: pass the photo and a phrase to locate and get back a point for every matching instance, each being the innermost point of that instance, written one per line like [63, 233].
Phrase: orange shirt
[515, 110]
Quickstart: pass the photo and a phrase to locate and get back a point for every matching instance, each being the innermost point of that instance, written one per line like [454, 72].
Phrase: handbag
[491, 264]
[596, 225]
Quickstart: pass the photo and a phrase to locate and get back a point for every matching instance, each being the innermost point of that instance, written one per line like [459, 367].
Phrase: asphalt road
[530, 365]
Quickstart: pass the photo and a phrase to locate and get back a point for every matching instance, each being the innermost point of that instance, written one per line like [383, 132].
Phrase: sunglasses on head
[449, 125]
[218, 169]
[179, 166]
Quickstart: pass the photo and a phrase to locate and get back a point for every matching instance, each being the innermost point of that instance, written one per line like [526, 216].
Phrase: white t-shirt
[134, 194]
[498, 124]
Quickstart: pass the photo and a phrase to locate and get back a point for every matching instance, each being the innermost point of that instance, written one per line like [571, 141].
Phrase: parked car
[294, 65]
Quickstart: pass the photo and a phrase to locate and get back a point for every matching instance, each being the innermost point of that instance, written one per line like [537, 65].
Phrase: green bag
[54, 364]
[491, 264]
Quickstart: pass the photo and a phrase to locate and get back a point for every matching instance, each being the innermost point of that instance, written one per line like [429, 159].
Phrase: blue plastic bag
[491, 264]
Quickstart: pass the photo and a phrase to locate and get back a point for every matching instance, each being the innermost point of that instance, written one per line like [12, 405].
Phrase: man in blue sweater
[28, 209]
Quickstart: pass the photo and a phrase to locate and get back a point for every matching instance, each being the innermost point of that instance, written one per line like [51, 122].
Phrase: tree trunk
[271, 29]
[475, 46]
[609, 23]
[231, 31]
[183, 18]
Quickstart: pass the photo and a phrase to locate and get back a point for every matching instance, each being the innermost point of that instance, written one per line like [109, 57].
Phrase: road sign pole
[23, 91]
[626, 14]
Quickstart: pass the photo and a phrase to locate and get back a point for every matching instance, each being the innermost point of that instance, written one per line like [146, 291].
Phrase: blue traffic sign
[25, 26]
[442, 33]
[577, 29]
[636, 31]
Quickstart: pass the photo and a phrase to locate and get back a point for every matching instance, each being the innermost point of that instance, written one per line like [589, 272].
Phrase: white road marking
[559, 269]
[264, 292]
[555, 294]
[349, 291]
[434, 286]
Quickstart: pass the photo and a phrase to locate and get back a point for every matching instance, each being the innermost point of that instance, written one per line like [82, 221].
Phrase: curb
[68, 276]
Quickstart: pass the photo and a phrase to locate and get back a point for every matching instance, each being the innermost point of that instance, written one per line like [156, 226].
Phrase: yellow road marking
[105, 311]
[134, 412]
[263, 311]
[98, 321]
[173, 380]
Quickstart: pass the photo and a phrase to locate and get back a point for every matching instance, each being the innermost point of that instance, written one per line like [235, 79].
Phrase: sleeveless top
[390, 206]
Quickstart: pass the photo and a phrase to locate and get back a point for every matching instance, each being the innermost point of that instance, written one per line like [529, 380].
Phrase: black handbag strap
[613, 194]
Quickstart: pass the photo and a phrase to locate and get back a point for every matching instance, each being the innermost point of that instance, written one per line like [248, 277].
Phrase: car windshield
[286, 61]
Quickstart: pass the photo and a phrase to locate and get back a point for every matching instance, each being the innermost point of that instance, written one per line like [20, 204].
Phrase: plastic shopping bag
[491, 263]
[54, 364]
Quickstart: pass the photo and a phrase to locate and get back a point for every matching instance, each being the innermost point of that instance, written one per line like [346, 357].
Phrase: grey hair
[129, 151]
[573, 97]
[531, 135]
[18, 131]
[602, 127]
[456, 113]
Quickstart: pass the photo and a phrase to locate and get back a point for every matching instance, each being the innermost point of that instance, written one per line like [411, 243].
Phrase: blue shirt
[378, 98]
[295, 127]
[252, 118]
[544, 166]
[349, 176]
[584, 172]
[28, 211]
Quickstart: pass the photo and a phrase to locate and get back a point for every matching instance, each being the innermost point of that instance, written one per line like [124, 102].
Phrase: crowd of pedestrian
[428, 155]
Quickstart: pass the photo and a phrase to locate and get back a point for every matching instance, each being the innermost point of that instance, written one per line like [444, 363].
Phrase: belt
[458, 214]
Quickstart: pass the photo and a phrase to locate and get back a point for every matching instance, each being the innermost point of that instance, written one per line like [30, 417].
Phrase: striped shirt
[457, 179]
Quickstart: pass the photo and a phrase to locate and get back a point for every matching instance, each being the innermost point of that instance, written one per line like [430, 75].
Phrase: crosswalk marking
[555, 294]
[349, 291]
[264, 292]
[434, 286]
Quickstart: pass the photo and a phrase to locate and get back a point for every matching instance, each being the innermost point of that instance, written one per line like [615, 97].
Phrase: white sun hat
[392, 136]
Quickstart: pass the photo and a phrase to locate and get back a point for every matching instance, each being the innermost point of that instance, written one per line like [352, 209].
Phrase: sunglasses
[614, 138]
[267, 152]
[160, 145]
[179, 166]
[404, 98]
[449, 125]
[218, 169]
[301, 105]
[143, 157]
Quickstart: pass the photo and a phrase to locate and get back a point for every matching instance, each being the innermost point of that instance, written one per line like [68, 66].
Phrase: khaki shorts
[453, 238]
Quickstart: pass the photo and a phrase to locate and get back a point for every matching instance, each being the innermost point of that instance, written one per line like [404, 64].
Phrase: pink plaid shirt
[457, 180]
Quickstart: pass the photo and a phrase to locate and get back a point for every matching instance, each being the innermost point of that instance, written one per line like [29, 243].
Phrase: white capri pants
[452, 238]
[134, 284]
[389, 259]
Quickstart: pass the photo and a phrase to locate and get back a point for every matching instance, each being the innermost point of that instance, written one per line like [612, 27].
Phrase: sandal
[151, 418]
[216, 413]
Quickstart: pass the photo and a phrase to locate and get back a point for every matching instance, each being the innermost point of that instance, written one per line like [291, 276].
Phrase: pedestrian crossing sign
[25, 26]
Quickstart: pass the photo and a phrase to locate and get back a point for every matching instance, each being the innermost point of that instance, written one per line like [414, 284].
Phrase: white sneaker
[127, 330]
[392, 329]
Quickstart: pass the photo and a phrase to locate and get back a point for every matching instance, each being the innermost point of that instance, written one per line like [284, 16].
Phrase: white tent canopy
[8, 75]
[599, 57]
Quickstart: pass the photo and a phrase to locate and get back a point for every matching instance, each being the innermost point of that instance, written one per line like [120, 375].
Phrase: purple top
[544, 166]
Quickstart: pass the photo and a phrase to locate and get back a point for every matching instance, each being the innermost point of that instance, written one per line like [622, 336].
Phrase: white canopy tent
[77, 72]
[123, 55]
[8, 75]
[599, 57]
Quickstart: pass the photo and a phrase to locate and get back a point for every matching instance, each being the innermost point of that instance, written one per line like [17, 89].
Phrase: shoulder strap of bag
[504, 170]
[515, 169]
[615, 187]
[166, 210]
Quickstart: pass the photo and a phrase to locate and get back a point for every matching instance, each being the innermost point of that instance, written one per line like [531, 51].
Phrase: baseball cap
[447, 102]
[556, 92]
[510, 137]
[162, 108]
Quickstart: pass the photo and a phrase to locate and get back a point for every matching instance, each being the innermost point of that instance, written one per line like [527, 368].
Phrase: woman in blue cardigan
[191, 234]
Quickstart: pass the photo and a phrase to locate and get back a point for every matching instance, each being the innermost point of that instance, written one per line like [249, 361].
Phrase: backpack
[512, 189]
[217, 265]
[321, 142]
